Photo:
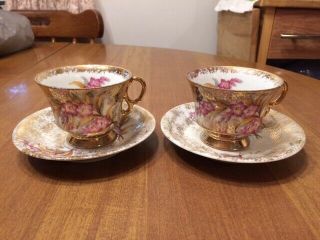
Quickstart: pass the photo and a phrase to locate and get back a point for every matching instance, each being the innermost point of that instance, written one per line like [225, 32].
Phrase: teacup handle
[282, 95]
[130, 102]
[278, 100]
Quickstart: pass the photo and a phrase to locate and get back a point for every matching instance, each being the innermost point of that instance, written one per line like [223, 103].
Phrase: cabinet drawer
[295, 34]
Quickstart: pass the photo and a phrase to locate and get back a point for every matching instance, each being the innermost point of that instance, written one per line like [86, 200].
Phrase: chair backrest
[63, 24]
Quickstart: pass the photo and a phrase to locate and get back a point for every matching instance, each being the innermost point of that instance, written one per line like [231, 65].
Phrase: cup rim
[40, 76]
[231, 90]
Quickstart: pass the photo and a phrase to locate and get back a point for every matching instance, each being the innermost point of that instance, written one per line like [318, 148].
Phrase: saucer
[281, 138]
[38, 136]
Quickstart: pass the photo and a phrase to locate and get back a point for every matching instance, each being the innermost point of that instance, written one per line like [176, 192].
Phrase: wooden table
[157, 190]
[22, 61]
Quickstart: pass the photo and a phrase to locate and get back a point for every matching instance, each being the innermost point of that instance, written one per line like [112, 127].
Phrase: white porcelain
[281, 138]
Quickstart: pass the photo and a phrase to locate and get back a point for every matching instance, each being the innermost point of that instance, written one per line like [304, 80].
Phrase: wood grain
[238, 34]
[21, 61]
[236, 31]
[295, 21]
[157, 190]
[289, 3]
[266, 30]
[63, 24]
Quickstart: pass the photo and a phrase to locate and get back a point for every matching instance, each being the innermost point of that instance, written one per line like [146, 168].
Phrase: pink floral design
[98, 124]
[238, 118]
[85, 110]
[69, 108]
[251, 127]
[30, 146]
[237, 109]
[250, 111]
[73, 114]
[97, 82]
[228, 84]
[205, 107]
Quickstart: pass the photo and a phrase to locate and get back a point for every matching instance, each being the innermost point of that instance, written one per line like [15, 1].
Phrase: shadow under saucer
[233, 173]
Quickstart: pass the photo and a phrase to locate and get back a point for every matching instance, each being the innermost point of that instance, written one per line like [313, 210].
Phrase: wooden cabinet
[295, 34]
[274, 30]
[238, 35]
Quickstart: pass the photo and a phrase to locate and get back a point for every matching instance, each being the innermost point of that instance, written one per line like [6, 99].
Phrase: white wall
[178, 24]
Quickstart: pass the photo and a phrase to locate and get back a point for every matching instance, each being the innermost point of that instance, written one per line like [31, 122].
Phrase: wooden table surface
[156, 190]
[23, 60]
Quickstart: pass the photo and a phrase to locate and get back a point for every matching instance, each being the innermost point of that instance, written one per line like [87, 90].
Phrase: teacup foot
[226, 144]
[93, 142]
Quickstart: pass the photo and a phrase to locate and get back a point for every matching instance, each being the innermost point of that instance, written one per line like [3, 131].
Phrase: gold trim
[189, 78]
[92, 142]
[95, 67]
[143, 89]
[225, 145]
[282, 96]
[129, 101]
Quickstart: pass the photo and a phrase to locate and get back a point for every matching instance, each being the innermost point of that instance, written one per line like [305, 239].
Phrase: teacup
[89, 101]
[231, 103]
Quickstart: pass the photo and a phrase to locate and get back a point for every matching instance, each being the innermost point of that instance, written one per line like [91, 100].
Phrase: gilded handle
[282, 95]
[130, 102]
[143, 90]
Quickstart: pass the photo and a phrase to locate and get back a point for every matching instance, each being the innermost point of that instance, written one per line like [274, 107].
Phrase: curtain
[74, 6]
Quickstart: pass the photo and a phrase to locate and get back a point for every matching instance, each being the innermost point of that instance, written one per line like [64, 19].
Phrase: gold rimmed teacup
[87, 101]
[231, 103]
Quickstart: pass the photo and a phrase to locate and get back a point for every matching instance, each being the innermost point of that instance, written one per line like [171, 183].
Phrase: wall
[178, 24]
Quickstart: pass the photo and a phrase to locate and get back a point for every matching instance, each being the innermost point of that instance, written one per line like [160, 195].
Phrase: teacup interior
[235, 78]
[79, 78]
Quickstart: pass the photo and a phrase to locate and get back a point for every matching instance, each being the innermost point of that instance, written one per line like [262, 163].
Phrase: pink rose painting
[97, 82]
[204, 107]
[69, 109]
[85, 109]
[228, 84]
[237, 109]
[98, 124]
[91, 83]
[250, 111]
[73, 114]
[238, 118]
[251, 127]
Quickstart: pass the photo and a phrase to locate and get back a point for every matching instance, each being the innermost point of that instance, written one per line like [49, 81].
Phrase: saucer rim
[228, 159]
[107, 155]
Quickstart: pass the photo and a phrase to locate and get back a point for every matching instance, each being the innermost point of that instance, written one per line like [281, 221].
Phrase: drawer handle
[299, 36]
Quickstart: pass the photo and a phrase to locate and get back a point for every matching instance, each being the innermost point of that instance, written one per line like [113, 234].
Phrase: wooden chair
[58, 24]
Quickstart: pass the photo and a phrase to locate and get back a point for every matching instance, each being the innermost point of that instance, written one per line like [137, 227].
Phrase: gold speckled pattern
[38, 136]
[281, 138]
